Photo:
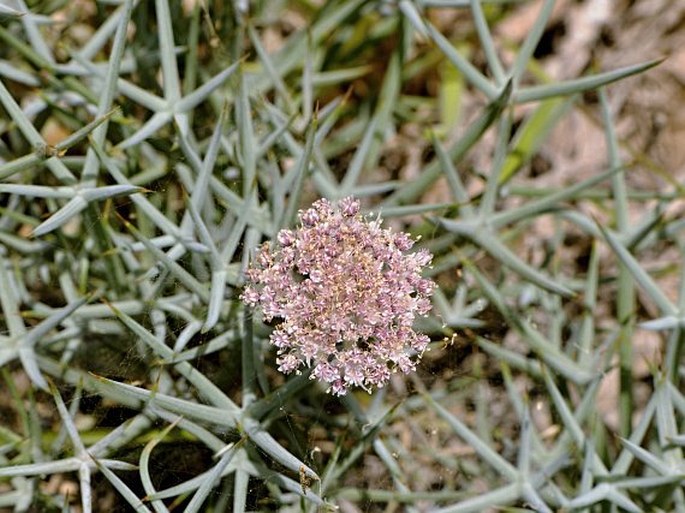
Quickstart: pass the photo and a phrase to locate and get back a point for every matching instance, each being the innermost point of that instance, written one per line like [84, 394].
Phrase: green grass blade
[211, 480]
[122, 488]
[536, 93]
[487, 43]
[474, 76]
[639, 274]
[91, 166]
[533, 134]
[412, 190]
[531, 42]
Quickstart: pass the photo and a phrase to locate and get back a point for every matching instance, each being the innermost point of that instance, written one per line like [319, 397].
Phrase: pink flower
[349, 206]
[286, 238]
[345, 294]
[250, 296]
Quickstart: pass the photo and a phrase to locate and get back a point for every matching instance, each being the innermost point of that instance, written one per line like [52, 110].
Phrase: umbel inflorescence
[346, 293]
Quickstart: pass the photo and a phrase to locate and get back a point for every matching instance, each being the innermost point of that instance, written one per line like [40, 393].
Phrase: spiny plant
[148, 148]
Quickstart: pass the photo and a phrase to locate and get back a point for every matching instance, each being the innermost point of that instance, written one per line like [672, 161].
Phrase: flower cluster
[345, 293]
